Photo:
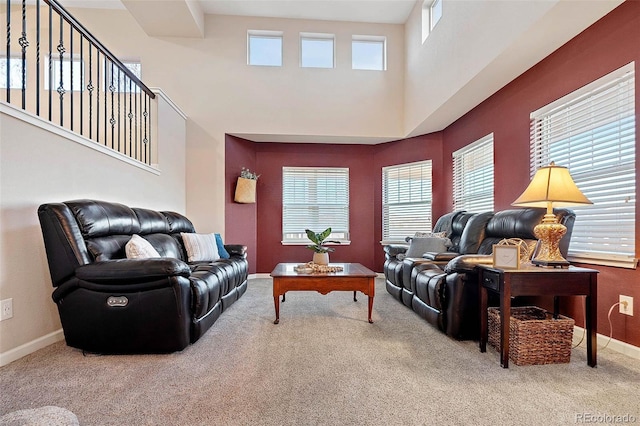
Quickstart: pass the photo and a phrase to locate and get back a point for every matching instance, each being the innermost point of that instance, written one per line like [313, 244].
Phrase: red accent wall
[426, 147]
[241, 220]
[272, 157]
[602, 48]
[605, 46]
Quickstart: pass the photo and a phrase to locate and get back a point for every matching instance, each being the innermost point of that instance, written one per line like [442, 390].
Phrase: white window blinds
[592, 132]
[473, 176]
[406, 200]
[315, 198]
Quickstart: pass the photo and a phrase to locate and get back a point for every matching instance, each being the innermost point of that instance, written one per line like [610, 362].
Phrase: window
[436, 13]
[314, 198]
[120, 81]
[15, 72]
[264, 48]
[426, 20]
[431, 14]
[316, 50]
[406, 200]
[473, 176]
[592, 132]
[68, 71]
[368, 53]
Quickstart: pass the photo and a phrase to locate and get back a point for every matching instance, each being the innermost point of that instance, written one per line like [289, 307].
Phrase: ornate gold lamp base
[549, 232]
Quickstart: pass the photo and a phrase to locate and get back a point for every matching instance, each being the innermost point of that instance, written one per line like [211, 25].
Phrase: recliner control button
[117, 301]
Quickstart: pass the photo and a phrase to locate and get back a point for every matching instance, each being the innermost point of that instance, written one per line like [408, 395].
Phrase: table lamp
[551, 185]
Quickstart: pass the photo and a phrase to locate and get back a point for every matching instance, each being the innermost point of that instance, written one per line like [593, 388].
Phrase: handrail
[84, 87]
[81, 28]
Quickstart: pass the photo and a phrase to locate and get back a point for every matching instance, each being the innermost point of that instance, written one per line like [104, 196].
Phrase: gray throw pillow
[419, 246]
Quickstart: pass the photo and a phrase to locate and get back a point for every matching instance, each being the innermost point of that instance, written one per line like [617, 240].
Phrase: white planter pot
[321, 258]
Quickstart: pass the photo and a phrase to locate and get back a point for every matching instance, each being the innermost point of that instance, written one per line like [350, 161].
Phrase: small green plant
[319, 239]
[248, 174]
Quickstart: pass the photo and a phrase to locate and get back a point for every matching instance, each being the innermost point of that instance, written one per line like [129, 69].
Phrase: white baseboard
[252, 276]
[614, 345]
[30, 347]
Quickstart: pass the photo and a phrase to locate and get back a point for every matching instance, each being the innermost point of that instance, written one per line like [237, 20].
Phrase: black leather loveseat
[109, 303]
[445, 293]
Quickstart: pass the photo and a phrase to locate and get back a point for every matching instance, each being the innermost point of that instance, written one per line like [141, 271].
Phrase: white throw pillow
[139, 248]
[419, 246]
[200, 247]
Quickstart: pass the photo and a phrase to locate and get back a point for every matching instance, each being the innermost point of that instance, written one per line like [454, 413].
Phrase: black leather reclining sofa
[110, 304]
[443, 287]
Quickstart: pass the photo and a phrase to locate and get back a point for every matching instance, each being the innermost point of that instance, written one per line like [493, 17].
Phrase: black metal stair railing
[56, 69]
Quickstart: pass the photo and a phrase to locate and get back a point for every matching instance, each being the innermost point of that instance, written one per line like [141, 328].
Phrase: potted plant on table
[320, 251]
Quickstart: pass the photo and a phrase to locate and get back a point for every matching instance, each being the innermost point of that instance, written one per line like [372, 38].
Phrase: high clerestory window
[368, 53]
[473, 176]
[264, 48]
[317, 50]
[406, 200]
[431, 14]
[315, 198]
[592, 131]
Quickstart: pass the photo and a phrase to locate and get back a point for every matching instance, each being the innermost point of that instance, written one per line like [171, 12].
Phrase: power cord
[584, 330]
[609, 318]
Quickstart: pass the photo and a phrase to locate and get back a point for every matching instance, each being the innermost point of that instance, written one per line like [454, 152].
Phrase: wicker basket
[245, 191]
[534, 336]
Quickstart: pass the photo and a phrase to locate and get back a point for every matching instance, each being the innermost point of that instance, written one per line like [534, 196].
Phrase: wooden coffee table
[354, 277]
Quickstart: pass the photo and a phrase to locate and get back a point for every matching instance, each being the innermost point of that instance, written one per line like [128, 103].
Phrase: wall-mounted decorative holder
[245, 191]
[246, 187]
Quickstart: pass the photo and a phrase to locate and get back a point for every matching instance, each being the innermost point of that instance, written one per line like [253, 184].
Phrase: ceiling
[374, 11]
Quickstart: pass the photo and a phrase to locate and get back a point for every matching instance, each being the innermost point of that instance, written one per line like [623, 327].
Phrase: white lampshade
[551, 184]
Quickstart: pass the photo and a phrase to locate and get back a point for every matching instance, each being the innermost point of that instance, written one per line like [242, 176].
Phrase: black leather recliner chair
[447, 296]
[464, 229]
[110, 304]
[398, 268]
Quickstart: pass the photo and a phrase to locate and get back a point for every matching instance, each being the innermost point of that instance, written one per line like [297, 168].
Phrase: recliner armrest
[393, 250]
[123, 270]
[444, 256]
[468, 262]
[236, 249]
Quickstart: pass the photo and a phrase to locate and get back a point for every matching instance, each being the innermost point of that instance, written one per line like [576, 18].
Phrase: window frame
[368, 39]
[336, 203]
[432, 20]
[592, 128]
[317, 37]
[471, 195]
[269, 35]
[426, 20]
[419, 205]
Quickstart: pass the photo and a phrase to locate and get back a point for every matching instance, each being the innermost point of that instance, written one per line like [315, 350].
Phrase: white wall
[477, 48]
[210, 79]
[43, 163]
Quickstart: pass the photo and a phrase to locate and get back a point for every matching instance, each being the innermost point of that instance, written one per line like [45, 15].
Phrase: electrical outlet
[626, 305]
[6, 309]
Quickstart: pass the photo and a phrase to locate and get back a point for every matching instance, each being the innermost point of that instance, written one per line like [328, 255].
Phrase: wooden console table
[354, 277]
[536, 281]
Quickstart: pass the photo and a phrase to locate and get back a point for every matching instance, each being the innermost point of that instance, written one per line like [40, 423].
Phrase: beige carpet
[322, 365]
